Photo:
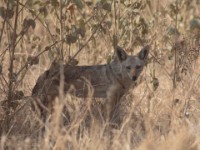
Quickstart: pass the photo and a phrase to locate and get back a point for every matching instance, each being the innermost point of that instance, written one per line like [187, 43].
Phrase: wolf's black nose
[134, 78]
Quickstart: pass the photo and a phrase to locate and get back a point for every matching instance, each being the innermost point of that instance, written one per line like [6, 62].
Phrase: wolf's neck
[116, 67]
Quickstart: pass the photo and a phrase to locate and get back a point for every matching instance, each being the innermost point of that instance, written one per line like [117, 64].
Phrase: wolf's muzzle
[134, 78]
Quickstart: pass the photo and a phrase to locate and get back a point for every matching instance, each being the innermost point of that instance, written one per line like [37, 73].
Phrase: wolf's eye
[128, 68]
[138, 67]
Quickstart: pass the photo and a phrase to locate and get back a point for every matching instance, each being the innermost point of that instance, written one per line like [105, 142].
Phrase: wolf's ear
[121, 54]
[143, 54]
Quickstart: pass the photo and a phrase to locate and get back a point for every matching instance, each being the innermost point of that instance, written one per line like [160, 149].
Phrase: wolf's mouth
[134, 78]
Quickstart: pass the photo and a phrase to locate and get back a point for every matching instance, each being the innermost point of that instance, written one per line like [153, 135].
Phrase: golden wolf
[110, 81]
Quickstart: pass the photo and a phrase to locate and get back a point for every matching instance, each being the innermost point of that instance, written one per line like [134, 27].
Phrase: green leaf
[108, 24]
[29, 3]
[194, 24]
[10, 13]
[19, 94]
[109, 59]
[172, 31]
[54, 3]
[107, 6]
[73, 62]
[89, 2]
[65, 2]
[81, 31]
[2, 12]
[102, 1]
[81, 23]
[57, 30]
[37, 3]
[78, 3]
[43, 11]
[50, 55]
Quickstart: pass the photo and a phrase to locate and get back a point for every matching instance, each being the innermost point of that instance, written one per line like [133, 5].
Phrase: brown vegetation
[161, 113]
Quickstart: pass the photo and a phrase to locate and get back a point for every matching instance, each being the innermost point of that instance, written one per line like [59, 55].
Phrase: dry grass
[161, 113]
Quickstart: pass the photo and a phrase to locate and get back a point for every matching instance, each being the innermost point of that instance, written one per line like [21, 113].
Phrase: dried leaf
[71, 38]
[32, 60]
[1, 68]
[6, 13]
[29, 23]
[71, 9]
[81, 32]
[73, 62]
[155, 82]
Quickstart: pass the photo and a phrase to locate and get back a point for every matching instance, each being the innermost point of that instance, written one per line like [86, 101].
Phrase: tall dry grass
[162, 112]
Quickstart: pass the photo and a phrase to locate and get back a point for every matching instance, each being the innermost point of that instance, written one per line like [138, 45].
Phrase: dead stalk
[11, 66]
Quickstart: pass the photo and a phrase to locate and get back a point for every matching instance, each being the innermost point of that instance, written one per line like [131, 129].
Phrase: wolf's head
[132, 65]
